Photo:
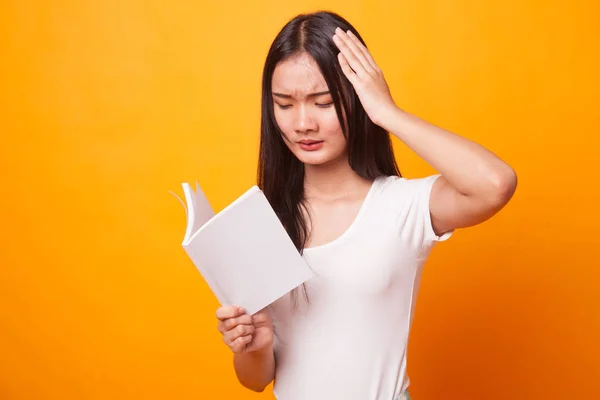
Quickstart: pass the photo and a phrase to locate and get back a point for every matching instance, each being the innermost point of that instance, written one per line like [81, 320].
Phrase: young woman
[327, 167]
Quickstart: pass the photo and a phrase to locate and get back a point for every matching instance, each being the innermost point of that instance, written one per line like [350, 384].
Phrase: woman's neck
[331, 181]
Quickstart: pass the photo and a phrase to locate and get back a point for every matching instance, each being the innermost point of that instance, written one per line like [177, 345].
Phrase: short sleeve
[425, 186]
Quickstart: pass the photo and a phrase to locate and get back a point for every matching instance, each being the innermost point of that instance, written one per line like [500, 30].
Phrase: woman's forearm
[255, 370]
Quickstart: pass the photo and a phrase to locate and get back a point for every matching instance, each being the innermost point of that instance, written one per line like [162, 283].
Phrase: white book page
[248, 193]
[203, 210]
[198, 210]
[246, 256]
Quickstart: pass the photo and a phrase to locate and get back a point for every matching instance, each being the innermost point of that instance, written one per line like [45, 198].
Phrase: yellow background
[108, 105]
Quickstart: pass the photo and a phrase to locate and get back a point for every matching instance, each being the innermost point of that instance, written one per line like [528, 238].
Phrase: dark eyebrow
[287, 96]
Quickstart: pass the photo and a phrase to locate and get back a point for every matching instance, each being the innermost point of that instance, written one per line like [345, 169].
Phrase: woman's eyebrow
[287, 96]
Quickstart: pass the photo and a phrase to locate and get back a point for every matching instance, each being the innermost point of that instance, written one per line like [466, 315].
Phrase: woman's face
[305, 112]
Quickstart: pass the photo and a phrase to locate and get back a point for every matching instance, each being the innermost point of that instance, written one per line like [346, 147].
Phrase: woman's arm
[250, 338]
[255, 370]
[475, 184]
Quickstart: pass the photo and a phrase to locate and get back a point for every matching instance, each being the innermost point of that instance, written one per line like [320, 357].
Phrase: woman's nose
[304, 120]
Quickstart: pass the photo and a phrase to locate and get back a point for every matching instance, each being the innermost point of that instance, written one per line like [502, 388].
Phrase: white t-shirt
[349, 341]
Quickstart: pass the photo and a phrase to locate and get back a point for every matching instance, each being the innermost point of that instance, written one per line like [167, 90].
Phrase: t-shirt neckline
[355, 222]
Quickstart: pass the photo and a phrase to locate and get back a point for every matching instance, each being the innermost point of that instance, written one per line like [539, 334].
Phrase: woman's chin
[316, 158]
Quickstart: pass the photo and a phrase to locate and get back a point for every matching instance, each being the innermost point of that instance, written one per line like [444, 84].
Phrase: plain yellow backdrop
[108, 105]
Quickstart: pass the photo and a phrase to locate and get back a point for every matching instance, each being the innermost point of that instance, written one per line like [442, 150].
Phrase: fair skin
[475, 184]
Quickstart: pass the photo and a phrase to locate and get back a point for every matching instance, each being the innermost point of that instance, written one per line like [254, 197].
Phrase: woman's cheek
[332, 125]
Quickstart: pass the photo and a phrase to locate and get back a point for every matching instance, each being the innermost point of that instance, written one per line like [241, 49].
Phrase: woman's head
[303, 60]
[307, 98]
[305, 112]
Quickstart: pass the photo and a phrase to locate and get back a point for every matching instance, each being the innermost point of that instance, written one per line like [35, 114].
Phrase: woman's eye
[284, 106]
[325, 105]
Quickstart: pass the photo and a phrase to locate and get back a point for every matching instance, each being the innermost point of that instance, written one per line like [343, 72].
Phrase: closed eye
[324, 105]
[320, 105]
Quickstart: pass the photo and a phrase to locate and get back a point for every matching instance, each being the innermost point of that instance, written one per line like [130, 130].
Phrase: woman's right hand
[245, 333]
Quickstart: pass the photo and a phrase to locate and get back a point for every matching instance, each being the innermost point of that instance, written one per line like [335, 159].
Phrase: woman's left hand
[366, 77]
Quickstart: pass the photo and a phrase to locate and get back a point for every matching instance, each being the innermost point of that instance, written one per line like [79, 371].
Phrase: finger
[261, 316]
[229, 312]
[241, 330]
[231, 323]
[350, 74]
[356, 47]
[363, 49]
[353, 54]
[350, 58]
[239, 345]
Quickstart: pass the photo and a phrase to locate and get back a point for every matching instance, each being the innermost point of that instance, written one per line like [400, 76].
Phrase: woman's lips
[311, 145]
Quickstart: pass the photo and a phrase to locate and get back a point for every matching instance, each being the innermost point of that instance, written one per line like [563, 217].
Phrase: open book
[243, 253]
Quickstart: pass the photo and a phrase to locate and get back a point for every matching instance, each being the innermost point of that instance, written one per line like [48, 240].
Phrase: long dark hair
[280, 173]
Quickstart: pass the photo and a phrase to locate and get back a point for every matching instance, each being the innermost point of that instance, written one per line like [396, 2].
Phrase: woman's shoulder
[404, 193]
[405, 202]
[406, 185]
